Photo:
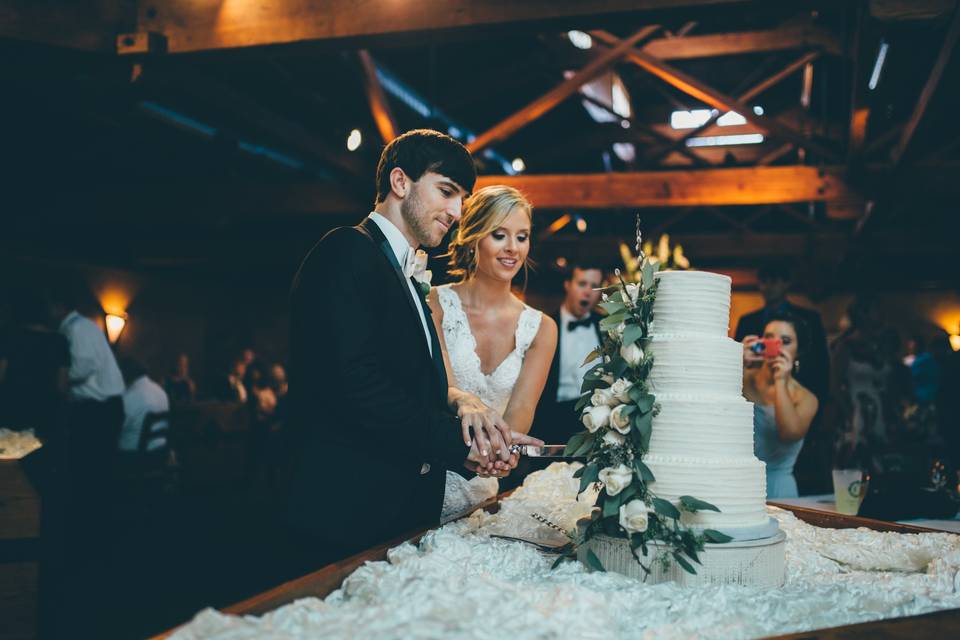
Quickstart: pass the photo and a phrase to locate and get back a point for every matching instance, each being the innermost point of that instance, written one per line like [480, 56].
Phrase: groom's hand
[501, 469]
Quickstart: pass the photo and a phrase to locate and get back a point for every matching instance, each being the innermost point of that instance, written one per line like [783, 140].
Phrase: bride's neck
[484, 291]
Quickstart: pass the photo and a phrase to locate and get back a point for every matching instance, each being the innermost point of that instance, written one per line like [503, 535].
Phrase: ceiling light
[354, 140]
[518, 165]
[580, 40]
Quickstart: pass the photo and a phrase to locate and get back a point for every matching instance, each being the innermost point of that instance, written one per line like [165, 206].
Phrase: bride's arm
[493, 433]
[533, 377]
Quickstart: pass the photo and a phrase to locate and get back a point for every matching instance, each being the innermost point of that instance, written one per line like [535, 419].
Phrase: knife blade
[546, 451]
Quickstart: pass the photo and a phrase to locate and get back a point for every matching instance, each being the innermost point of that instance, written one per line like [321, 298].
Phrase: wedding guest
[262, 424]
[94, 418]
[774, 283]
[783, 407]
[179, 386]
[141, 397]
[579, 334]
[233, 388]
[867, 393]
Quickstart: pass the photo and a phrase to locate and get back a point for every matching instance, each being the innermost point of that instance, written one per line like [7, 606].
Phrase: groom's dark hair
[422, 150]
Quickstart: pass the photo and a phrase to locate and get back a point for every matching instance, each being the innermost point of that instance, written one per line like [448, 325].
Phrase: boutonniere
[421, 274]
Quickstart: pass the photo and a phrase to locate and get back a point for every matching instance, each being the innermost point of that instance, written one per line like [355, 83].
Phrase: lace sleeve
[527, 328]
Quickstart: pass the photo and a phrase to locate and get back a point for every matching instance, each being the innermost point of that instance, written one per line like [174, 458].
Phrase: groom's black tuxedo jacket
[371, 426]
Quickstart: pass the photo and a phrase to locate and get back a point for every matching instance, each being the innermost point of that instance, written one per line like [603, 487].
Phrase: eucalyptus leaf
[613, 320]
[643, 471]
[691, 504]
[590, 475]
[665, 508]
[578, 472]
[632, 333]
[611, 505]
[575, 442]
[683, 563]
[645, 402]
[593, 561]
[585, 448]
[612, 306]
[643, 422]
[582, 402]
[636, 393]
[649, 269]
[715, 536]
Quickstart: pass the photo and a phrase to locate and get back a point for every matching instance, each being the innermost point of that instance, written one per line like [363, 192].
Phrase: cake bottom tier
[738, 487]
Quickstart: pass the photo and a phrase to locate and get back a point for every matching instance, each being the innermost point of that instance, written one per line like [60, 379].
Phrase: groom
[376, 421]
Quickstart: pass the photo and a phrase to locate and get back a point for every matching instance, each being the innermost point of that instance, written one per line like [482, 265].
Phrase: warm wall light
[115, 324]
[354, 140]
[955, 342]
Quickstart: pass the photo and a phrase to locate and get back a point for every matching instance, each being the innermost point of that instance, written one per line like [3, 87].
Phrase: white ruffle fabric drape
[463, 583]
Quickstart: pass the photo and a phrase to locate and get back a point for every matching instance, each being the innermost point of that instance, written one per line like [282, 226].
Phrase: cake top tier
[691, 302]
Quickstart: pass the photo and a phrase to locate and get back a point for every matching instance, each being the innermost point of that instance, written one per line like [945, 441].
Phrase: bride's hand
[501, 469]
[481, 424]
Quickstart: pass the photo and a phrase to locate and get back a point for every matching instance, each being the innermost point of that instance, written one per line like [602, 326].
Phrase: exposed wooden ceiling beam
[558, 94]
[379, 107]
[196, 26]
[703, 187]
[863, 44]
[946, 50]
[726, 44]
[749, 94]
[714, 98]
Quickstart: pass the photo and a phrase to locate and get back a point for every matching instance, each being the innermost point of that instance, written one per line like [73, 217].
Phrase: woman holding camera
[783, 408]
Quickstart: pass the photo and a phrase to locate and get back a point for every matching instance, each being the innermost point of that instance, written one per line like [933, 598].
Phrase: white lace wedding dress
[494, 389]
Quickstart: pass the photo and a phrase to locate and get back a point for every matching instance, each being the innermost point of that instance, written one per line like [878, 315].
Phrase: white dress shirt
[142, 397]
[574, 347]
[400, 248]
[94, 374]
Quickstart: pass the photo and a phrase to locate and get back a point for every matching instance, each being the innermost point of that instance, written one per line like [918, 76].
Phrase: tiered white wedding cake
[702, 442]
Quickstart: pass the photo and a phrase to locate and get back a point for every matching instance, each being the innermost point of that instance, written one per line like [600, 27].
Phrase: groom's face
[431, 206]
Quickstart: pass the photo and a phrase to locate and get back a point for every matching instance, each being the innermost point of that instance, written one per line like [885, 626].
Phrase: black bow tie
[583, 322]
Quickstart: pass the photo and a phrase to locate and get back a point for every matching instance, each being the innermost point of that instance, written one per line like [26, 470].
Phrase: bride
[496, 347]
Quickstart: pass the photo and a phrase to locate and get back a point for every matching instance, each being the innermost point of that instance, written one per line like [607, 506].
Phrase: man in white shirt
[143, 396]
[579, 327]
[89, 485]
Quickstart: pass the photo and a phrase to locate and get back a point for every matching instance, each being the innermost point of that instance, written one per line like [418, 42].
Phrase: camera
[768, 347]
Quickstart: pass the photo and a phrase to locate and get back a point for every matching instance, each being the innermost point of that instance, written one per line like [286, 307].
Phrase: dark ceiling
[235, 160]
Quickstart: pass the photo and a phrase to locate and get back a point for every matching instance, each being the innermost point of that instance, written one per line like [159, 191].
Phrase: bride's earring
[796, 367]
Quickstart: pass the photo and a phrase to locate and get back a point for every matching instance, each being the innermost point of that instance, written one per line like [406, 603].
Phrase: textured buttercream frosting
[702, 442]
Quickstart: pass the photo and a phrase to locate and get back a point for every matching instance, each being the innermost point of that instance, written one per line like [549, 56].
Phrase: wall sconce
[115, 324]
[955, 342]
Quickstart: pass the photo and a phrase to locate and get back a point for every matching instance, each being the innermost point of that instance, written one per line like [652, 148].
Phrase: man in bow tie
[375, 421]
[579, 327]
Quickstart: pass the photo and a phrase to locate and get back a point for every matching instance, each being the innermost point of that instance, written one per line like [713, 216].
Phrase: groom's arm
[343, 272]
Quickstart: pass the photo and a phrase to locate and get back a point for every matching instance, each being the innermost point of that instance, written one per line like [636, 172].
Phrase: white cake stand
[755, 563]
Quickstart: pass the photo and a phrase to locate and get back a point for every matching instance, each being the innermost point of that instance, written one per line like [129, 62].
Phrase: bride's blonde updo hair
[483, 213]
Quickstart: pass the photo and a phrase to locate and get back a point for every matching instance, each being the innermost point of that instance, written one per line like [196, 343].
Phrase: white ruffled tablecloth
[462, 583]
[17, 444]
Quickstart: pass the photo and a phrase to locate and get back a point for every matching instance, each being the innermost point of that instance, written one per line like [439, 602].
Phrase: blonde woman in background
[495, 346]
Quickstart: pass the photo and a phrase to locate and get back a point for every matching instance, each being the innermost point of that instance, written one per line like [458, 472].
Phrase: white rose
[619, 419]
[621, 389]
[596, 417]
[616, 479]
[618, 330]
[632, 354]
[632, 294]
[633, 516]
[602, 397]
[613, 439]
